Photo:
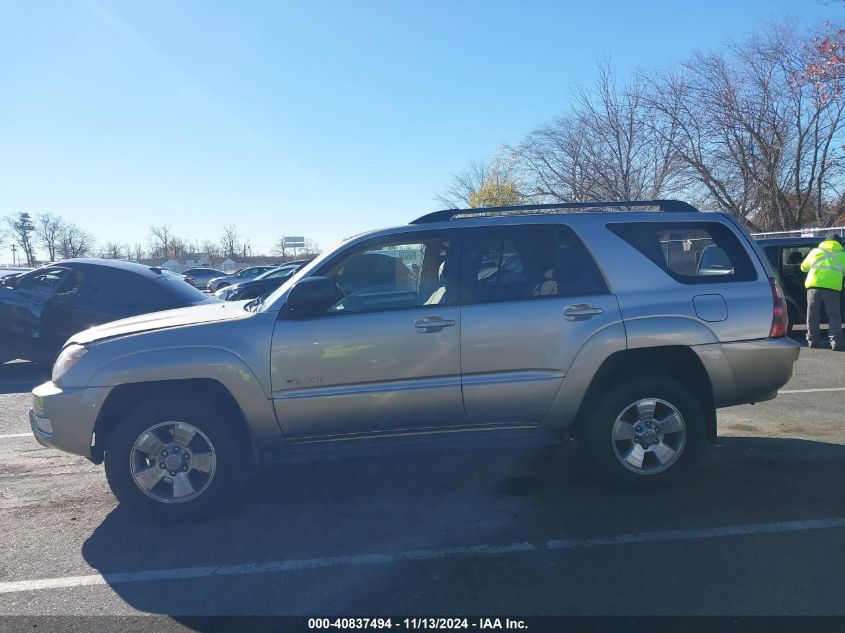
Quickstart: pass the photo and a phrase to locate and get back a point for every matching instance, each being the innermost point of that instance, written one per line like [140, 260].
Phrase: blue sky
[322, 118]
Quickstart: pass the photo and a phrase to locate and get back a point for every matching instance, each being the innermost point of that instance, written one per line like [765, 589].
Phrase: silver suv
[517, 326]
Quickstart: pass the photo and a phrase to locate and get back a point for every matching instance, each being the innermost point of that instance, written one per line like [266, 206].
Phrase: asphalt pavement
[759, 529]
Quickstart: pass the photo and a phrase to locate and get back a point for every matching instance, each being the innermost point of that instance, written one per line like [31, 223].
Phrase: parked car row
[199, 277]
[244, 274]
[263, 284]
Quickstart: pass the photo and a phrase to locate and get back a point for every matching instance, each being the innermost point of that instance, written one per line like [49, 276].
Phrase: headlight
[67, 359]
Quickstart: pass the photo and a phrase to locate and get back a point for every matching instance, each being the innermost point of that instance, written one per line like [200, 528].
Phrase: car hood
[181, 317]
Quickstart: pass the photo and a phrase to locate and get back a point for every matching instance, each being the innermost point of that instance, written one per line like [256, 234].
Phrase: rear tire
[645, 432]
[176, 459]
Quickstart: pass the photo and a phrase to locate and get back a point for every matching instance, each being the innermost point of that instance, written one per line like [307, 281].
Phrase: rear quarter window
[173, 292]
[690, 252]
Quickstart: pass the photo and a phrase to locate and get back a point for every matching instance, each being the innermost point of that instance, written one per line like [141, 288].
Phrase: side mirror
[312, 295]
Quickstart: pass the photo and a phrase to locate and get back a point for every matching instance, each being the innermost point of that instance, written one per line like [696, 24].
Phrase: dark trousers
[816, 298]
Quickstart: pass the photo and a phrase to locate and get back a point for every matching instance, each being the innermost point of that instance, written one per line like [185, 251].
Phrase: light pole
[14, 255]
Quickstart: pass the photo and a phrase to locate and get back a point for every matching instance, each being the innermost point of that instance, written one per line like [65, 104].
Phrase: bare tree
[111, 250]
[464, 184]
[137, 252]
[229, 240]
[49, 228]
[555, 161]
[609, 146]
[75, 242]
[759, 141]
[178, 247]
[161, 239]
[211, 249]
[312, 249]
[279, 249]
[495, 175]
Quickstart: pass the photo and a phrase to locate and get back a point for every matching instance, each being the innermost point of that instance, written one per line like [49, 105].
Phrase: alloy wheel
[173, 462]
[649, 436]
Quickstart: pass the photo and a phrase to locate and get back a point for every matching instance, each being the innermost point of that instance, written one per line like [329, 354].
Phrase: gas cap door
[710, 308]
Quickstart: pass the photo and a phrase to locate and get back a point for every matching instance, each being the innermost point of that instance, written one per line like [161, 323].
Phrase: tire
[636, 408]
[183, 479]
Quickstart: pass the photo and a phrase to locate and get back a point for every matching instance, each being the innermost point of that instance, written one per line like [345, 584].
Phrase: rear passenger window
[690, 252]
[518, 263]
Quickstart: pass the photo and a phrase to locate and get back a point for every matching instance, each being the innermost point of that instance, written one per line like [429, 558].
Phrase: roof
[665, 206]
[132, 267]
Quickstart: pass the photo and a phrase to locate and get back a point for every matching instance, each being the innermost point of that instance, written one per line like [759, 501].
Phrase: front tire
[645, 432]
[176, 459]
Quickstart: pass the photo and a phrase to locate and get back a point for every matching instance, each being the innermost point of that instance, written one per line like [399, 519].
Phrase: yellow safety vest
[825, 266]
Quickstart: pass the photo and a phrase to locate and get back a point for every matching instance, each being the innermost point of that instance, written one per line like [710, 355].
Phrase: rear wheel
[645, 432]
[176, 459]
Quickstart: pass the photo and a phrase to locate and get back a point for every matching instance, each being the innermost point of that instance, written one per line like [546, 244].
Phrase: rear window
[690, 252]
[179, 291]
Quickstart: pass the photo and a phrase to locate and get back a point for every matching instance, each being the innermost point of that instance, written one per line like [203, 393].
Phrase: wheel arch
[677, 362]
[126, 396]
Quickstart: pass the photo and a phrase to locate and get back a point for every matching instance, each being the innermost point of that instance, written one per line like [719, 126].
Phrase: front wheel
[176, 459]
[645, 432]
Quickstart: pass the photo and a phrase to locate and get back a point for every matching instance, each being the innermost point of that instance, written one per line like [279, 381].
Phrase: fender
[645, 332]
[191, 362]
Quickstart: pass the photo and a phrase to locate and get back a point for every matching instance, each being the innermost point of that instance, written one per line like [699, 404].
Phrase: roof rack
[666, 206]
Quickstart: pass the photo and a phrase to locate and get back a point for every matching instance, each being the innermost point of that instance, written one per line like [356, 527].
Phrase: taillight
[779, 313]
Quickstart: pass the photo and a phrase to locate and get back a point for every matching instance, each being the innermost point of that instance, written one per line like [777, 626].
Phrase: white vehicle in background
[199, 277]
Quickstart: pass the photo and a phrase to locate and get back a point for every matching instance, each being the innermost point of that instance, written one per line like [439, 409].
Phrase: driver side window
[46, 280]
[393, 276]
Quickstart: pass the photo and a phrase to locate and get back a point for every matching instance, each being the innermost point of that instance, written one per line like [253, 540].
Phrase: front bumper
[748, 371]
[64, 418]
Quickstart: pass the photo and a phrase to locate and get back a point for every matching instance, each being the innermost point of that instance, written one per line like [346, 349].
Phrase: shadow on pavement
[389, 505]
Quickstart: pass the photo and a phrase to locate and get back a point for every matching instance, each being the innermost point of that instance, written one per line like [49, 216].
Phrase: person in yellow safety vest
[825, 268]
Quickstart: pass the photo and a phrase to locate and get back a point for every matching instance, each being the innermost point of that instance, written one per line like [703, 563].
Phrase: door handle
[432, 323]
[581, 311]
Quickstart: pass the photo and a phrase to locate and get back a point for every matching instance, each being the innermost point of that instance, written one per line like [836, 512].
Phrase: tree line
[57, 239]
[755, 129]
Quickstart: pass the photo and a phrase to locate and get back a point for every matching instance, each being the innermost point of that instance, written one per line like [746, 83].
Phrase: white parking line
[10, 435]
[245, 569]
[811, 390]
